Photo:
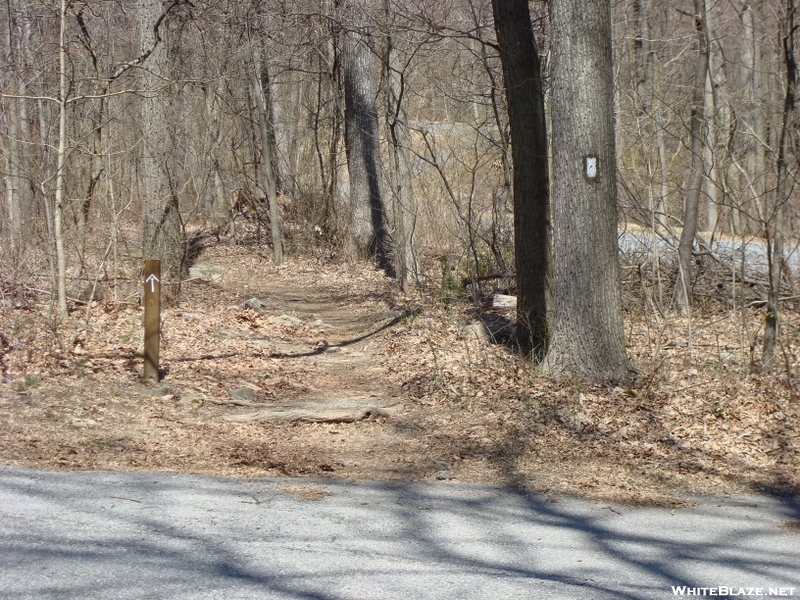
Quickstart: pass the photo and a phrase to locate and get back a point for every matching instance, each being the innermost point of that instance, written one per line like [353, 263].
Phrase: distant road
[635, 243]
[82, 535]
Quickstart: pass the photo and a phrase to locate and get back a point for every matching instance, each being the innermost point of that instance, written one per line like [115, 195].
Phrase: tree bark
[683, 282]
[162, 236]
[523, 85]
[362, 144]
[586, 337]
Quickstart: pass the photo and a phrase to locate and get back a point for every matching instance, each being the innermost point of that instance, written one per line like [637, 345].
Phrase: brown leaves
[699, 420]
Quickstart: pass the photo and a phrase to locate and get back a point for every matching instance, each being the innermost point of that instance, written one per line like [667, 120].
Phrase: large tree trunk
[523, 84]
[367, 212]
[683, 283]
[586, 336]
[162, 235]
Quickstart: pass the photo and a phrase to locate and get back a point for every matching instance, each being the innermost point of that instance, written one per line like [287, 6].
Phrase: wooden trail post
[152, 317]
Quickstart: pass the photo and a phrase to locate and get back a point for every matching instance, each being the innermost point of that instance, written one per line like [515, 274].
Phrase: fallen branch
[470, 280]
[242, 403]
[304, 415]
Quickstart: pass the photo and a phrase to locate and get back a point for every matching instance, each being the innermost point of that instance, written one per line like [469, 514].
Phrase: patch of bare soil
[334, 374]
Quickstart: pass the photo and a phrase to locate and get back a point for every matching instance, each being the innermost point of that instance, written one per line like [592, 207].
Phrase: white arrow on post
[152, 280]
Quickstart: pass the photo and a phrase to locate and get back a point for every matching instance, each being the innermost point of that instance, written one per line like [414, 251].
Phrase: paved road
[640, 245]
[153, 535]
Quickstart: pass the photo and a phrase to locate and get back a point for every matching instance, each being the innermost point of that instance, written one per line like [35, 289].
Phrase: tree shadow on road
[132, 535]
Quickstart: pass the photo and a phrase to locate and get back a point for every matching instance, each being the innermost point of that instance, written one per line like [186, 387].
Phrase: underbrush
[700, 417]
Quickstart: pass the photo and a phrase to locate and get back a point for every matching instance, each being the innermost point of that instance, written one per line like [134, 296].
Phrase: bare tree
[61, 161]
[260, 80]
[754, 114]
[525, 100]
[16, 197]
[400, 176]
[775, 241]
[162, 235]
[683, 284]
[719, 122]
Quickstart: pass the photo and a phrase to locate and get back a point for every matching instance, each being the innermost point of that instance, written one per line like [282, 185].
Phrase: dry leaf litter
[434, 398]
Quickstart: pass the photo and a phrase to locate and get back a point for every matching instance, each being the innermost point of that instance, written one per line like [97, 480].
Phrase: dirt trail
[298, 386]
[345, 379]
[301, 386]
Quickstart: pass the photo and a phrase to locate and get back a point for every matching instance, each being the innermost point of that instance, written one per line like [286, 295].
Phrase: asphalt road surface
[70, 535]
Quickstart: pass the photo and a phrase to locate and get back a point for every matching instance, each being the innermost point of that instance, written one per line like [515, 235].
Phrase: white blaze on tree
[586, 335]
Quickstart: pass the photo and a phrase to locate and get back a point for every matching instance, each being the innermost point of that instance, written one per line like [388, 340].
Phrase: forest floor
[336, 374]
